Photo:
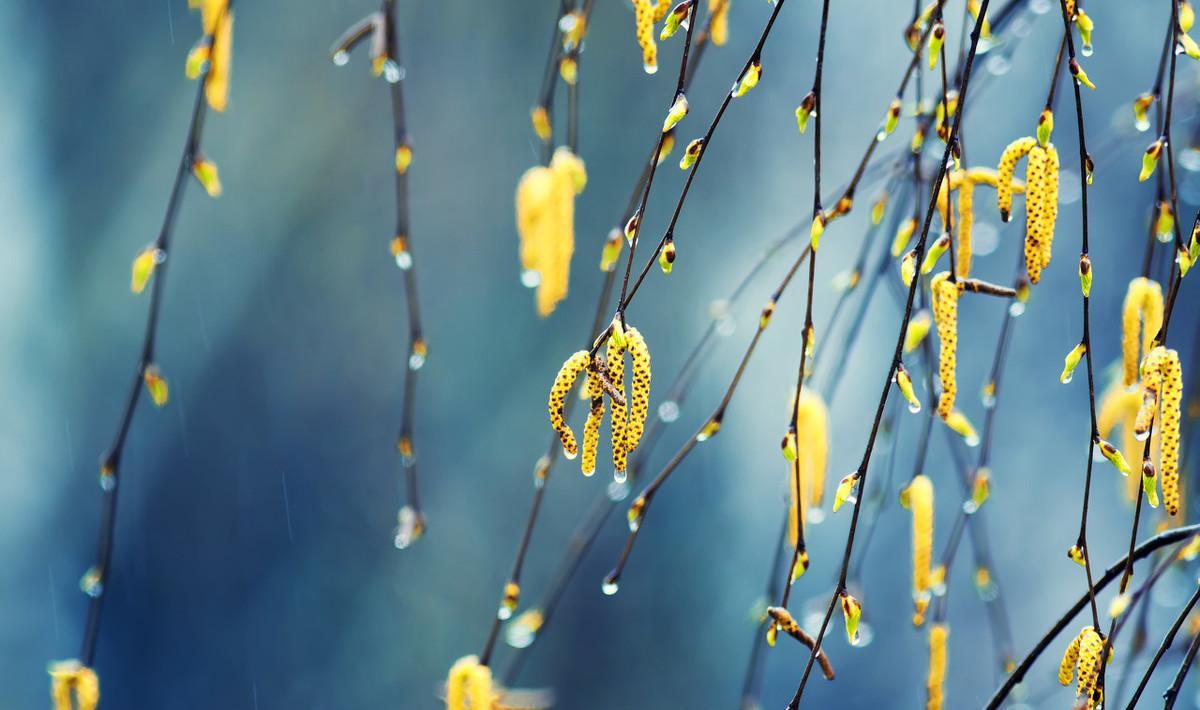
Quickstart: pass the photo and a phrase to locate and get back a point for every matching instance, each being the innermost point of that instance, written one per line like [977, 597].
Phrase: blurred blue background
[254, 558]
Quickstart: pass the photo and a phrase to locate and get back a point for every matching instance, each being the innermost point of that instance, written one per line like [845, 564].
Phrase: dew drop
[972, 440]
[416, 361]
[107, 482]
[1141, 435]
[1015, 309]
[1087, 50]
[914, 407]
[668, 411]
[620, 477]
[997, 64]
[1067, 380]
[393, 72]
[570, 456]
[609, 587]
[617, 492]
[341, 57]
[90, 584]
[404, 260]
[816, 516]
[530, 278]
[650, 68]
[504, 613]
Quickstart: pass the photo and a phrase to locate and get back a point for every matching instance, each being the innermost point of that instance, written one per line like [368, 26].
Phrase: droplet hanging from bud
[805, 111]
[1071, 361]
[851, 613]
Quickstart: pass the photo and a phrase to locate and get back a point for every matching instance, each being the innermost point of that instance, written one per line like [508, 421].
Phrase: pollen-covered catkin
[469, 685]
[1070, 659]
[1049, 210]
[966, 220]
[1090, 647]
[1004, 173]
[918, 498]
[719, 11]
[639, 399]
[1143, 307]
[812, 446]
[945, 315]
[1035, 212]
[1152, 378]
[570, 370]
[644, 19]
[73, 686]
[591, 429]
[1172, 397]
[546, 224]
[936, 680]
[620, 410]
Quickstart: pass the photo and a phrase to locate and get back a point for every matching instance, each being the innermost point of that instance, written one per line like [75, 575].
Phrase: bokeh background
[254, 558]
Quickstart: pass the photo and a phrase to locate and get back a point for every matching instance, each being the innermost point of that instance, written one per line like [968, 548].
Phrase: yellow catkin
[919, 499]
[216, 84]
[546, 224]
[639, 395]
[1152, 377]
[570, 370]
[620, 411]
[1035, 212]
[1162, 381]
[797, 503]
[469, 686]
[1070, 659]
[1172, 398]
[812, 445]
[719, 12]
[1143, 308]
[644, 19]
[1090, 647]
[966, 221]
[1049, 210]
[1004, 173]
[591, 429]
[945, 315]
[936, 680]
[73, 686]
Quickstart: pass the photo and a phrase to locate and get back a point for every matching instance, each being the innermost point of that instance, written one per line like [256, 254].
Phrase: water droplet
[1068, 190]
[393, 72]
[726, 326]
[620, 477]
[969, 508]
[416, 361]
[91, 583]
[702, 436]
[1065, 380]
[530, 278]
[816, 516]
[1040, 7]
[914, 407]
[609, 587]
[718, 309]
[570, 456]
[997, 64]
[972, 440]
[1087, 50]
[404, 260]
[340, 57]
[668, 411]
[988, 399]
[1141, 435]
[108, 481]
[1015, 309]
[519, 635]
[650, 68]
[409, 527]
[504, 613]
[865, 634]
[617, 492]
[1189, 159]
